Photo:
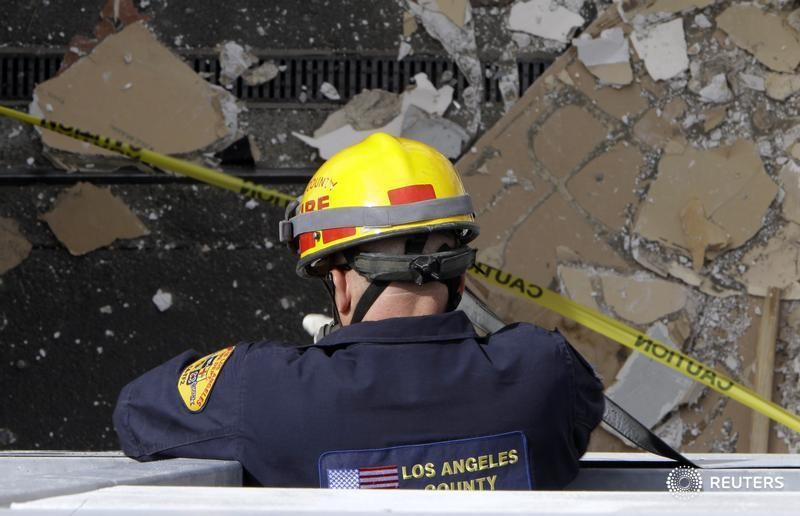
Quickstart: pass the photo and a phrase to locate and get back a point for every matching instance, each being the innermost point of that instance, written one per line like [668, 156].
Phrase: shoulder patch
[197, 380]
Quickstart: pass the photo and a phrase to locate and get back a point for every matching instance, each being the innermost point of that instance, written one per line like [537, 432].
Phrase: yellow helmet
[379, 188]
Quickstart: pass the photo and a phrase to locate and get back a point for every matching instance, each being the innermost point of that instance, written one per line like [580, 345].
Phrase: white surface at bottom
[151, 500]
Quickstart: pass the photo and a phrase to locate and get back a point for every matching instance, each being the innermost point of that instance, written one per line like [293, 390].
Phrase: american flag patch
[377, 477]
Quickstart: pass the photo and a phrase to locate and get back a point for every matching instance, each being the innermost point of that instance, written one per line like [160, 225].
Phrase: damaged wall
[650, 174]
[79, 317]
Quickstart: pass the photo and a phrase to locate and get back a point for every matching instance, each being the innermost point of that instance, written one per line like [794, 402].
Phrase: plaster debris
[375, 110]
[729, 182]
[714, 117]
[114, 16]
[646, 178]
[544, 18]
[765, 35]
[85, 218]
[629, 9]
[700, 234]
[409, 24]
[447, 137]
[162, 300]
[790, 184]
[641, 299]
[753, 82]
[717, 90]
[459, 43]
[576, 283]
[234, 59]
[701, 21]
[782, 86]
[14, 247]
[793, 19]
[774, 264]
[456, 10]
[607, 57]
[403, 50]
[663, 49]
[201, 117]
[260, 74]
[648, 390]
[329, 91]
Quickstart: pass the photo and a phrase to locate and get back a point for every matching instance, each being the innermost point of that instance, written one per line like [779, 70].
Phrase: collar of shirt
[426, 328]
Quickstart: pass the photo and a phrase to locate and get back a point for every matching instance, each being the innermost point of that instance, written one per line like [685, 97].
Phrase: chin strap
[381, 269]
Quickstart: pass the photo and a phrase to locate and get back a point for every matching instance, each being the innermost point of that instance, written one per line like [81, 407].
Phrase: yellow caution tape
[520, 287]
[179, 166]
[636, 340]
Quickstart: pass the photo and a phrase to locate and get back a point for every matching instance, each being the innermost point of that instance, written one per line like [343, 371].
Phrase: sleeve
[589, 400]
[189, 406]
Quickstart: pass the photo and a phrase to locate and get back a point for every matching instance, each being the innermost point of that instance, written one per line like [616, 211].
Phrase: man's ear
[462, 283]
[342, 295]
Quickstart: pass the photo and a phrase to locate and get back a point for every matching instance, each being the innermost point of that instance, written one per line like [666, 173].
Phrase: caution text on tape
[634, 339]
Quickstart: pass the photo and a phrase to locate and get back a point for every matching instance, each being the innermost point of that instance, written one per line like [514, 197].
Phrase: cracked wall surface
[668, 198]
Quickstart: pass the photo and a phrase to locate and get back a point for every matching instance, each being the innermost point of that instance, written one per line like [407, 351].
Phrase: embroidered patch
[490, 463]
[197, 380]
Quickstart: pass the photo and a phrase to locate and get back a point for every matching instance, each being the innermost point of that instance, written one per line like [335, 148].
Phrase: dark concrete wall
[64, 361]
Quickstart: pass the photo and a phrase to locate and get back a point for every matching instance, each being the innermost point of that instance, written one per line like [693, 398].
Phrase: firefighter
[401, 392]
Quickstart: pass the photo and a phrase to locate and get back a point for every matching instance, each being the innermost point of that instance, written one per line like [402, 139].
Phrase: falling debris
[162, 300]
[169, 109]
[648, 390]
[234, 59]
[85, 218]
[544, 18]
[14, 247]
[260, 74]
[774, 43]
[607, 56]
[663, 49]
[375, 110]
[731, 187]
[329, 91]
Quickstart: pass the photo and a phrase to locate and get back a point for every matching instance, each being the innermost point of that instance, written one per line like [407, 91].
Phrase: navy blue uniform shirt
[418, 402]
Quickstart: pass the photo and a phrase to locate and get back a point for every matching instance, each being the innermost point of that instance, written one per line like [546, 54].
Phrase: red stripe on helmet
[306, 242]
[413, 193]
[330, 235]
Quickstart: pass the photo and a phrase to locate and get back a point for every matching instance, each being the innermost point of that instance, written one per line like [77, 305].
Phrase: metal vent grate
[21, 71]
